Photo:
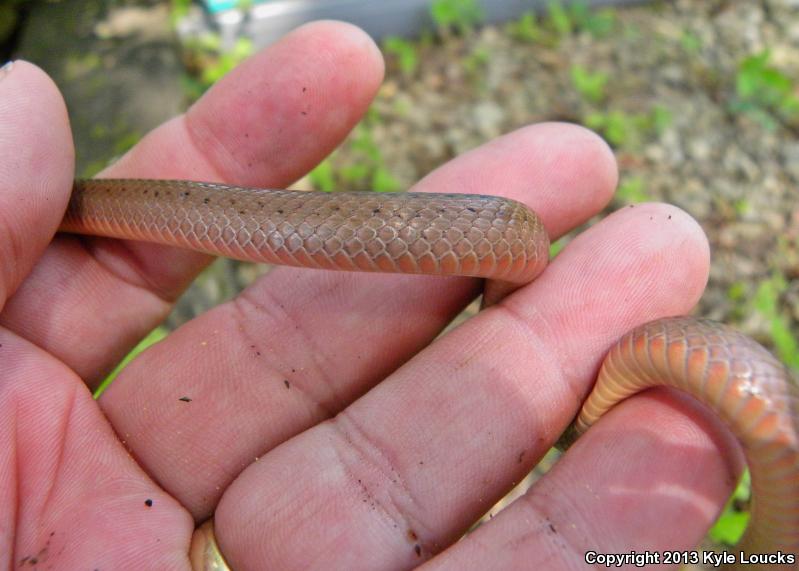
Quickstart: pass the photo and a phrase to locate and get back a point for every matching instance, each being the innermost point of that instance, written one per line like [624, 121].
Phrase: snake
[489, 237]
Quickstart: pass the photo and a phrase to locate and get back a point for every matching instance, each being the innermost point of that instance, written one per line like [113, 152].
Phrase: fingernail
[6, 69]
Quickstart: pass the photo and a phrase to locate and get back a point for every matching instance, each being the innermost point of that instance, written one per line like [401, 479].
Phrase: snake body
[482, 236]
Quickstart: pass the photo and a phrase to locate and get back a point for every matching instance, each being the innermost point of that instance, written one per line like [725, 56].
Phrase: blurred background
[699, 100]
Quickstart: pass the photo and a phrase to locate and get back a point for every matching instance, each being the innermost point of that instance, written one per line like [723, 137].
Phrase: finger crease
[245, 305]
[370, 453]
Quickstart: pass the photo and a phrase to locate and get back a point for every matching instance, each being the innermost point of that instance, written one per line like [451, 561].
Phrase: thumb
[36, 169]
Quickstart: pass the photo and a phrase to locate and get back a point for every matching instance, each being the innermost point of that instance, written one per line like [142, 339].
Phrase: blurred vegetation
[456, 16]
[731, 525]
[765, 93]
[207, 61]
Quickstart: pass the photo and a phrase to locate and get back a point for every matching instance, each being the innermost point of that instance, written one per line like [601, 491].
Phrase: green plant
[476, 61]
[383, 180]
[578, 16]
[152, 338]
[525, 29]
[366, 168]
[178, 9]
[556, 248]
[590, 86]
[731, 524]
[405, 53]
[628, 130]
[763, 92]
[208, 61]
[632, 190]
[660, 119]
[690, 42]
[598, 23]
[322, 176]
[459, 16]
[559, 18]
[766, 303]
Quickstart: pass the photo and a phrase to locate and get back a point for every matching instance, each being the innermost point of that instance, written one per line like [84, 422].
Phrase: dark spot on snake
[470, 209]
[185, 193]
[232, 201]
[145, 191]
[280, 211]
[260, 204]
[206, 200]
[286, 382]
[184, 399]
[148, 502]
[241, 212]
[376, 211]
[418, 549]
[155, 193]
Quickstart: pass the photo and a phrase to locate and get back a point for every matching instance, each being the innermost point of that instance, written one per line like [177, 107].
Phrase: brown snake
[483, 236]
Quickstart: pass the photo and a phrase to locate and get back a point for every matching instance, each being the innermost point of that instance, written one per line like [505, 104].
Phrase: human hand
[298, 473]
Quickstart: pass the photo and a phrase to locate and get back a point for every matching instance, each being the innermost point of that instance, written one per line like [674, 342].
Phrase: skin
[387, 444]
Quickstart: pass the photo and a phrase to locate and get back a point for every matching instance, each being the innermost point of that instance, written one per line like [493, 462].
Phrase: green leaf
[152, 338]
[590, 85]
[731, 524]
[404, 51]
[559, 18]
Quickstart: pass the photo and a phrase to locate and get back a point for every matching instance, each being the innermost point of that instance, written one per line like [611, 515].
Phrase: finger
[35, 171]
[650, 477]
[265, 124]
[424, 454]
[298, 346]
[70, 496]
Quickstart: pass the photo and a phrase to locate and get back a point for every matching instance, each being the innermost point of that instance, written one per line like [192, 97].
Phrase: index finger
[265, 124]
